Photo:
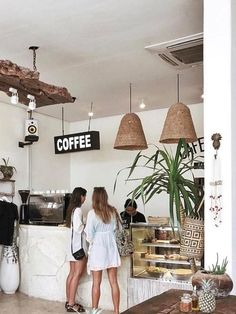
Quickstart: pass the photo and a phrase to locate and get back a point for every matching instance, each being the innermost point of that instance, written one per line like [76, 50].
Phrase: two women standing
[103, 253]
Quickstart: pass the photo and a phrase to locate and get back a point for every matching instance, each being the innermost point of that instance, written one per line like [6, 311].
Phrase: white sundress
[78, 230]
[103, 252]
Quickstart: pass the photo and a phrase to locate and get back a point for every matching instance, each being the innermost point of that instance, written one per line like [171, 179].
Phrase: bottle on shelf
[194, 297]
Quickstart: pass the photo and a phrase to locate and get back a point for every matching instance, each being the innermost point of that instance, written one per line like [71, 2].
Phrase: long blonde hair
[100, 205]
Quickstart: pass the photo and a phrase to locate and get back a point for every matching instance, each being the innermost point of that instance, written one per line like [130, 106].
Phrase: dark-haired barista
[130, 214]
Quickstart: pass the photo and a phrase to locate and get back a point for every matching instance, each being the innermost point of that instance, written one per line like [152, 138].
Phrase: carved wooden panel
[27, 82]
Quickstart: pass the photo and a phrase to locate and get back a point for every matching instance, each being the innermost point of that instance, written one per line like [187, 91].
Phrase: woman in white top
[74, 221]
[103, 252]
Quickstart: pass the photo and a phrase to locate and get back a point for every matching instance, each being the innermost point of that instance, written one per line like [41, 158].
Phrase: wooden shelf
[6, 180]
[168, 261]
[165, 245]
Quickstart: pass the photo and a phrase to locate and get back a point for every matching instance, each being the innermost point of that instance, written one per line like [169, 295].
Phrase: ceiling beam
[27, 82]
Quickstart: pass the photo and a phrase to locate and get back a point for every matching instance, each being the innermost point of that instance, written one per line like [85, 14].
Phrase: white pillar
[220, 117]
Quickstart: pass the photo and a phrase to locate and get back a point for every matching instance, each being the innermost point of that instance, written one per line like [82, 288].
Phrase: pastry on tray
[160, 241]
[156, 271]
[181, 274]
[176, 257]
[154, 256]
[174, 241]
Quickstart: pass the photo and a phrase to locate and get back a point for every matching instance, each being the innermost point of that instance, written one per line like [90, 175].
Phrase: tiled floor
[19, 303]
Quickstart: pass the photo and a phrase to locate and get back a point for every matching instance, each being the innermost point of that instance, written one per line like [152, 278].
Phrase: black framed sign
[77, 142]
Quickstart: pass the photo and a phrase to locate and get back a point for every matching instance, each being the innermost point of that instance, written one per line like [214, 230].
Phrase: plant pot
[9, 270]
[7, 172]
[223, 283]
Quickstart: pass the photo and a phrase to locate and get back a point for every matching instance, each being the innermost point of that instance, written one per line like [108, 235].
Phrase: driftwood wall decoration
[27, 82]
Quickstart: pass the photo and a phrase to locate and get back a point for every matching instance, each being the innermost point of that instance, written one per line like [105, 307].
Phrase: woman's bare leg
[97, 279]
[115, 291]
[74, 281]
[68, 280]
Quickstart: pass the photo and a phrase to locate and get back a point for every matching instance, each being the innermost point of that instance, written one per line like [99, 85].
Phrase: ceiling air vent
[182, 52]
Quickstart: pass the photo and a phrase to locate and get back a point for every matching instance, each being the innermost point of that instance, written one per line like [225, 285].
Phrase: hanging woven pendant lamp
[178, 123]
[130, 135]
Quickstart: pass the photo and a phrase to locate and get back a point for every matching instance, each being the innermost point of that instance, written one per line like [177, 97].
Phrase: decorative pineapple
[207, 301]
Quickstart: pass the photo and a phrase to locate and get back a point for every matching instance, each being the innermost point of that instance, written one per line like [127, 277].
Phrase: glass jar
[185, 303]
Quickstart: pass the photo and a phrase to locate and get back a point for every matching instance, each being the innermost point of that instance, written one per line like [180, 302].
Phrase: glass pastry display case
[157, 253]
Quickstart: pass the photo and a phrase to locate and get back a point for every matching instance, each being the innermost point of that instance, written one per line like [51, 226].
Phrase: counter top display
[44, 269]
[157, 253]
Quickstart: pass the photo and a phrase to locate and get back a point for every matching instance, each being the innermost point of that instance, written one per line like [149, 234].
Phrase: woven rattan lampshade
[130, 135]
[178, 124]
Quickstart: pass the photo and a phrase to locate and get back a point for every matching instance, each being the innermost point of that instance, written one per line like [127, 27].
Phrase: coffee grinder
[24, 208]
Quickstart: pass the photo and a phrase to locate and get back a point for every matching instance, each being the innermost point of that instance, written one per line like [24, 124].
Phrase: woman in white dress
[74, 221]
[103, 252]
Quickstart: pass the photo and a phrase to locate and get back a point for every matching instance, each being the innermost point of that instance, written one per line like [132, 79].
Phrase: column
[220, 117]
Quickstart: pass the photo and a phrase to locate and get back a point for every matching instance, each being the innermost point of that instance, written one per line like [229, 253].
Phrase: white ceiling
[95, 48]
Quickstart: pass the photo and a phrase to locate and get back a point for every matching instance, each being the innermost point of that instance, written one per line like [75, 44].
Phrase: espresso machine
[24, 208]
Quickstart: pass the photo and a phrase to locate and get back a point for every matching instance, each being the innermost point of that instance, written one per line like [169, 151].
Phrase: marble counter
[43, 267]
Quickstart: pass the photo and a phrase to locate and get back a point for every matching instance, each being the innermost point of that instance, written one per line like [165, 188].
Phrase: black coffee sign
[77, 142]
[195, 148]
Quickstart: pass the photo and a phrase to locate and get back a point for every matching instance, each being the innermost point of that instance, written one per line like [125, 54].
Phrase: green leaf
[6, 161]
[186, 199]
[134, 163]
[167, 176]
[177, 205]
[115, 183]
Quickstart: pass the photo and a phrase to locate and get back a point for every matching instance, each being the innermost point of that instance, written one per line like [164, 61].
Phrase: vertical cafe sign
[77, 142]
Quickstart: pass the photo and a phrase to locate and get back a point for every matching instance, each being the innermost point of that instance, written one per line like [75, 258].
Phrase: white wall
[49, 171]
[219, 116]
[99, 167]
[11, 129]
[88, 169]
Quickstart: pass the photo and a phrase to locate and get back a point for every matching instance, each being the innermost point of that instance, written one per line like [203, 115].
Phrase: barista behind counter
[130, 214]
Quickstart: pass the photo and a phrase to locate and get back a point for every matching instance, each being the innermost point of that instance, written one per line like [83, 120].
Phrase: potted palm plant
[6, 169]
[167, 174]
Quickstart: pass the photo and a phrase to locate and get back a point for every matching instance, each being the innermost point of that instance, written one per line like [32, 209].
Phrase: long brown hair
[100, 205]
[75, 201]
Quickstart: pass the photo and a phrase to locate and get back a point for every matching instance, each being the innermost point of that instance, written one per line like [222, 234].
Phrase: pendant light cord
[34, 48]
[130, 97]
[178, 87]
[90, 117]
[62, 121]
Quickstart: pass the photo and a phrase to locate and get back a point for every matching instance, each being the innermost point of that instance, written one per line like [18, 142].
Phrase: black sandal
[72, 308]
[77, 308]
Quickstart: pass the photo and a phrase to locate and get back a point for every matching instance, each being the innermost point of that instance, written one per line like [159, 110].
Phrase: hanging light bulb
[90, 114]
[14, 96]
[142, 105]
[130, 135]
[178, 123]
[32, 102]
